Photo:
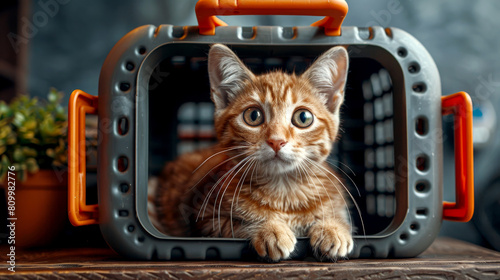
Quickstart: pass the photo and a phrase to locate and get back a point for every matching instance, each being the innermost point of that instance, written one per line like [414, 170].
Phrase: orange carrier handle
[80, 104]
[334, 10]
[460, 105]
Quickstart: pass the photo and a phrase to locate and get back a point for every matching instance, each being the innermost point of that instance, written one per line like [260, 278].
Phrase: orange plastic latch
[460, 105]
[334, 10]
[80, 104]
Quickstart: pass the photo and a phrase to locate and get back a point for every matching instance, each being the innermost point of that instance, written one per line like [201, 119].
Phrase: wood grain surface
[445, 259]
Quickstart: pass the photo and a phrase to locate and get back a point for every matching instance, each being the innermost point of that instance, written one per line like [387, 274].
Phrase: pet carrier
[154, 102]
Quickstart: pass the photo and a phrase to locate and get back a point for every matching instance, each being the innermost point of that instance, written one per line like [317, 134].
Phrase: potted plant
[33, 146]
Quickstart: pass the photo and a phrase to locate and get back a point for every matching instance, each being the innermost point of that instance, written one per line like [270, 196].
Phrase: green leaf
[50, 153]
[32, 165]
[19, 119]
[5, 131]
[22, 174]
[30, 124]
[4, 109]
[29, 152]
[33, 134]
[4, 165]
[12, 139]
[18, 155]
[52, 96]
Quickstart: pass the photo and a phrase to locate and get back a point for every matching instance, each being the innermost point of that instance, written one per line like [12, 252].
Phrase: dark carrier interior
[181, 120]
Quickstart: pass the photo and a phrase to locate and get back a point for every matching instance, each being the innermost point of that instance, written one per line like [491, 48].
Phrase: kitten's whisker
[227, 160]
[300, 173]
[257, 166]
[254, 164]
[207, 198]
[308, 177]
[345, 202]
[218, 153]
[242, 181]
[328, 194]
[228, 173]
[323, 207]
[287, 178]
[247, 160]
[335, 185]
[343, 164]
[329, 198]
[226, 177]
[317, 191]
[341, 170]
[349, 193]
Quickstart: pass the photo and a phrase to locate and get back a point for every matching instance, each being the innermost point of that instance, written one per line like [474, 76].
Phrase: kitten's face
[280, 121]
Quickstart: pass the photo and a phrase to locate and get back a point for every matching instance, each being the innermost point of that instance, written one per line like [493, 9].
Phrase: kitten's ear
[227, 75]
[328, 74]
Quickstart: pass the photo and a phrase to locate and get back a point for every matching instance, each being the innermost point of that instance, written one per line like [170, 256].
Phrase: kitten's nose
[276, 144]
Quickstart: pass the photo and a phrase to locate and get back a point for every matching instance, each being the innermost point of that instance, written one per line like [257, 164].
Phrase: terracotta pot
[41, 207]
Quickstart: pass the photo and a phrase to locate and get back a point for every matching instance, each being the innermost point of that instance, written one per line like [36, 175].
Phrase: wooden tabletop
[445, 259]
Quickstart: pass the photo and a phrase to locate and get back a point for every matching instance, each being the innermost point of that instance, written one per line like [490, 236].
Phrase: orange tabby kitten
[267, 180]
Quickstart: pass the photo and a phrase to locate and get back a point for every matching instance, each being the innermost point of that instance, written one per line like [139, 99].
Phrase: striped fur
[242, 188]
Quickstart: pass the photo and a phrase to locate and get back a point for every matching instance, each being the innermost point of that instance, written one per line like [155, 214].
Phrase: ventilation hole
[157, 31]
[124, 187]
[154, 255]
[124, 86]
[177, 253]
[247, 32]
[366, 252]
[422, 163]
[388, 32]
[392, 252]
[212, 254]
[288, 32]
[123, 213]
[365, 33]
[422, 212]
[419, 87]
[123, 126]
[422, 187]
[402, 52]
[421, 126]
[141, 50]
[414, 226]
[414, 68]
[122, 164]
[129, 66]
[403, 237]
[178, 31]
[141, 238]
[130, 228]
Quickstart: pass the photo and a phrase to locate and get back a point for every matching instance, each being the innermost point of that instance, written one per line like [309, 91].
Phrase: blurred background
[63, 44]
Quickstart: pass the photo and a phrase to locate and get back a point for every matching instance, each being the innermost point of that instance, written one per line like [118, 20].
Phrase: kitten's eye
[302, 118]
[253, 116]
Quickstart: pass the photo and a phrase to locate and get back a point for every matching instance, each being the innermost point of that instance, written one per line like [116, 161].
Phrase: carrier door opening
[180, 115]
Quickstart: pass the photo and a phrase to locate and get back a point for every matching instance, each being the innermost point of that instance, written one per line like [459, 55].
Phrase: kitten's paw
[331, 241]
[274, 241]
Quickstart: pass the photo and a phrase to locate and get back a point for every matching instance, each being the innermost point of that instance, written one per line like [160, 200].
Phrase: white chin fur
[284, 162]
[279, 166]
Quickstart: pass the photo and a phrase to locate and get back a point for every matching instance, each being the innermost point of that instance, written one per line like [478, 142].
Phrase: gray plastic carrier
[130, 73]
